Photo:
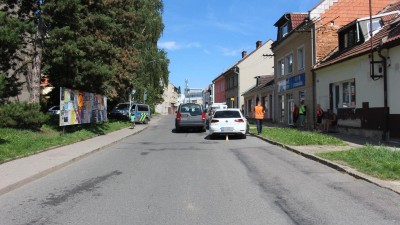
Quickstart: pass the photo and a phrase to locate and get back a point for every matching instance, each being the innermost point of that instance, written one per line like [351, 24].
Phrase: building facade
[263, 91]
[239, 78]
[364, 99]
[170, 101]
[293, 77]
[218, 90]
[304, 39]
[194, 95]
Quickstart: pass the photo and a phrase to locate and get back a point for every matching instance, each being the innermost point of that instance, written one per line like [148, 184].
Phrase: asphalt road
[162, 177]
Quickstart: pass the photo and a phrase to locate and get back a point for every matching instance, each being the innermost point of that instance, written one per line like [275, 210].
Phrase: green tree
[21, 45]
[107, 46]
[11, 29]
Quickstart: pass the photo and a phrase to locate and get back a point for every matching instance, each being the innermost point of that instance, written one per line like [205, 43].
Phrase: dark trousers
[259, 126]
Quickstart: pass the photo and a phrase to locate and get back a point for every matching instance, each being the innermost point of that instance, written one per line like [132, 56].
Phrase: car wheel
[203, 129]
[244, 136]
[146, 121]
[177, 129]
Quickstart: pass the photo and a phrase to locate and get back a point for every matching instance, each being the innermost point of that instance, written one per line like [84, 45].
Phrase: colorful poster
[78, 107]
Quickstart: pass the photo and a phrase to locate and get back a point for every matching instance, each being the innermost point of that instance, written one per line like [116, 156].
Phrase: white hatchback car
[228, 122]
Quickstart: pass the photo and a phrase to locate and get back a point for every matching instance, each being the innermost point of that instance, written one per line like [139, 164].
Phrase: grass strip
[380, 162]
[291, 136]
[16, 143]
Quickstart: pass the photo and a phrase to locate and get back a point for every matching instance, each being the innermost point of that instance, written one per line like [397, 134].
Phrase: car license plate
[226, 129]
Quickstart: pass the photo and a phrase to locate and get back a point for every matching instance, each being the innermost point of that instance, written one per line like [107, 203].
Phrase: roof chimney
[244, 54]
[258, 44]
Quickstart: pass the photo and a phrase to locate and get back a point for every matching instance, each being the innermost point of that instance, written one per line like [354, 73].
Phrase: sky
[204, 38]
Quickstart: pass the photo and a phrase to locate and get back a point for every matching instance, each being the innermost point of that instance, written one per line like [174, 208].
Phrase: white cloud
[229, 52]
[172, 45]
[169, 45]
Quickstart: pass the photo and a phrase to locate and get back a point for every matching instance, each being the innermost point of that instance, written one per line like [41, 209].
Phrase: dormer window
[284, 30]
[349, 37]
[376, 26]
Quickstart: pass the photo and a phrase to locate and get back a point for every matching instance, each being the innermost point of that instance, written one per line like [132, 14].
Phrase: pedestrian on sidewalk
[320, 115]
[132, 120]
[331, 120]
[302, 113]
[259, 116]
[295, 114]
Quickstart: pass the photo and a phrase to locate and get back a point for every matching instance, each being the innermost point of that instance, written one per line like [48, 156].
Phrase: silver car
[190, 115]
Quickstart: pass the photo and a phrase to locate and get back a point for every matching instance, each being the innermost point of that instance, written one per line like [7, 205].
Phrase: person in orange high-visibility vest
[259, 116]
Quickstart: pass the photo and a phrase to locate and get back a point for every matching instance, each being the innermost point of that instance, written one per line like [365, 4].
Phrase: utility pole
[187, 89]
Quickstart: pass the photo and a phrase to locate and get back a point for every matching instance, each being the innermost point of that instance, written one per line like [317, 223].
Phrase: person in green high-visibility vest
[302, 113]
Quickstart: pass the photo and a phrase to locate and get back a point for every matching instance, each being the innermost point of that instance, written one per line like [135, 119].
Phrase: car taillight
[178, 116]
[214, 121]
[239, 120]
[203, 116]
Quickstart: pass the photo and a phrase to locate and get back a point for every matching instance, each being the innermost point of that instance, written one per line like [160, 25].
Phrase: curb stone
[345, 169]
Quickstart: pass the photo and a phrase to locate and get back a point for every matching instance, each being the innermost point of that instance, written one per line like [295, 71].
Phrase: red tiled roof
[297, 19]
[391, 8]
[394, 32]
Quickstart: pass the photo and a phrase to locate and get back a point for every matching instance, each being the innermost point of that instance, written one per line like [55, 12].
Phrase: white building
[366, 102]
[194, 95]
[170, 103]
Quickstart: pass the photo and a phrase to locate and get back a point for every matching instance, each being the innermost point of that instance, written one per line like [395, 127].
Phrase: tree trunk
[34, 73]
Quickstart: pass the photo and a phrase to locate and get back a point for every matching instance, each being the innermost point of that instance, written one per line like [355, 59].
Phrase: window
[344, 94]
[283, 30]
[376, 26]
[348, 37]
[300, 58]
[289, 63]
[143, 108]
[281, 68]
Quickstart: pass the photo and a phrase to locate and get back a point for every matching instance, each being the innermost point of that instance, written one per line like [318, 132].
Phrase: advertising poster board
[79, 107]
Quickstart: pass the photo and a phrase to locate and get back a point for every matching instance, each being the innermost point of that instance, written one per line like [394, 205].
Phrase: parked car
[212, 108]
[142, 113]
[54, 110]
[190, 115]
[121, 111]
[228, 122]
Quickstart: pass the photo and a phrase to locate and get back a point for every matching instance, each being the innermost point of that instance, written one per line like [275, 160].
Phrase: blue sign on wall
[292, 82]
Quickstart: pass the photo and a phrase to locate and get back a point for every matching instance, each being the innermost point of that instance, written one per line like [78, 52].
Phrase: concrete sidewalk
[18, 172]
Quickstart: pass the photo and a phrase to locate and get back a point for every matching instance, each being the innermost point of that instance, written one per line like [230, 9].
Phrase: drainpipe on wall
[385, 98]
[314, 88]
[312, 40]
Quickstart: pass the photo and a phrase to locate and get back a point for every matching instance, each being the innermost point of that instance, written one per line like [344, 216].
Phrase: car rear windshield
[193, 110]
[227, 114]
